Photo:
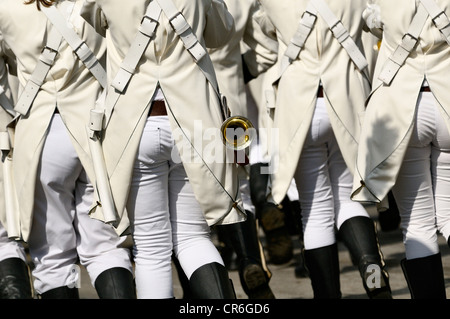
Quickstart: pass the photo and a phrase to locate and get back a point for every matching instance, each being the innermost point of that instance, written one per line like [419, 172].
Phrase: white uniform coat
[261, 53]
[251, 32]
[323, 60]
[391, 109]
[68, 82]
[188, 95]
[6, 81]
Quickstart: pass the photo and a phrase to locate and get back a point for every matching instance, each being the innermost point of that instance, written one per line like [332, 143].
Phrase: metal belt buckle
[339, 31]
[179, 23]
[410, 45]
[443, 23]
[411, 36]
[48, 55]
[310, 14]
[149, 18]
[143, 30]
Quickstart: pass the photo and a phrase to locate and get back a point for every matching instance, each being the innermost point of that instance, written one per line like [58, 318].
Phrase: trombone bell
[237, 132]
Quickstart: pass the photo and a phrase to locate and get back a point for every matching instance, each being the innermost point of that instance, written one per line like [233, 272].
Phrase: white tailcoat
[391, 109]
[323, 60]
[189, 99]
[69, 86]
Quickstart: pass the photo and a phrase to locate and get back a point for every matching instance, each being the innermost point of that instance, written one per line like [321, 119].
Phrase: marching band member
[168, 188]
[319, 101]
[14, 272]
[52, 167]
[405, 142]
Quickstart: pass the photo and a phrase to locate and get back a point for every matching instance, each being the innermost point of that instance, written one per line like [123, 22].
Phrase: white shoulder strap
[297, 42]
[403, 50]
[48, 56]
[194, 47]
[45, 62]
[440, 19]
[81, 49]
[146, 33]
[190, 41]
[127, 68]
[183, 29]
[341, 34]
[138, 47]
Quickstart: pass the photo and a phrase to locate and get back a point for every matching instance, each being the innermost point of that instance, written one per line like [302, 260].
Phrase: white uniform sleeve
[261, 41]
[219, 25]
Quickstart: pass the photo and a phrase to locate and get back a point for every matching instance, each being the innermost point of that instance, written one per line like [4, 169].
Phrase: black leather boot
[211, 281]
[244, 240]
[425, 277]
[61, 293]
[389, 219]
[324, 272]
[115, 283]
[279, 245]
[184, 281]
[293, 211]
[14, 279]
[301, 271]
[360, 237]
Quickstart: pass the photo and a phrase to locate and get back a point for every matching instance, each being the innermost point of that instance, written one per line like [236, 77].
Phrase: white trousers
[164, 214]
[422, 189]
[324, 184]
[62, 232]
[10, 248]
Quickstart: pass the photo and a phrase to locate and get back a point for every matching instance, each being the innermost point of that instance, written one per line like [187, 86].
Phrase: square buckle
[49, 49]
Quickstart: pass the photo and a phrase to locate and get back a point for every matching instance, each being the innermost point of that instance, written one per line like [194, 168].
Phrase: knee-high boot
[14, 279]
[360, 237]
[211, 281]
[324, 272]
[244, 239]
[61, 293]
[115, 283]
[279, 246]
[389, 219]
[425, 277]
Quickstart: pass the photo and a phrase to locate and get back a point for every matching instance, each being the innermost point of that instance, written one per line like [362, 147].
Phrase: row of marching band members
[110, 136]
[357, 125]
[104, 143]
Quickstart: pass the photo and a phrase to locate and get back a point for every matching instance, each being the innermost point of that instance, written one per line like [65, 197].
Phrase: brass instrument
[238, 132]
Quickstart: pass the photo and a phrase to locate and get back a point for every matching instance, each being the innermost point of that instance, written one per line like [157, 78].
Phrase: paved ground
[286, 285]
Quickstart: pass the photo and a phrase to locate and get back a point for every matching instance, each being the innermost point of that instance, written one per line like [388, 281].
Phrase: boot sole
[256, 283]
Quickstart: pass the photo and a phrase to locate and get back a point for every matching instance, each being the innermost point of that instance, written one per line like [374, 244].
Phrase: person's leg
[356, 228]
[193, 247]
[278, 242]
[100, 249]
[440, 172]
[317, 204]
[279, 245]
[413, 193]
[52, 240]
[414, 196]
[148, 210]
[245, 242]
[389, 219]
[244, 239]
[14, 272]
